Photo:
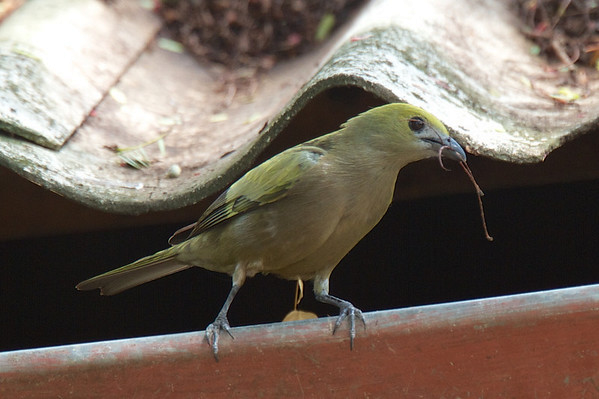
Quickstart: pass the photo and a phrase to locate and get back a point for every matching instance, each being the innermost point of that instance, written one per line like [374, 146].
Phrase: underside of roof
[70, 97]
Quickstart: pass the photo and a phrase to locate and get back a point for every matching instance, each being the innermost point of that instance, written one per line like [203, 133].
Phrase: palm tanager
[300, 212]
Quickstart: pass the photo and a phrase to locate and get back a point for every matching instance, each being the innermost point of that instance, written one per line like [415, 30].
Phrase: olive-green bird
[299, 213]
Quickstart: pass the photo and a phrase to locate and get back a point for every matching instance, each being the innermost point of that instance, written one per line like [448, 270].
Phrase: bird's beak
[449, 148]
[455, 151]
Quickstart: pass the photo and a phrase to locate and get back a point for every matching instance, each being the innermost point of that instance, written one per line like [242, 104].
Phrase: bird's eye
[416, 123]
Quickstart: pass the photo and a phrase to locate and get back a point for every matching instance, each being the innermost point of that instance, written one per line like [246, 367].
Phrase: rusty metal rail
[543, 344]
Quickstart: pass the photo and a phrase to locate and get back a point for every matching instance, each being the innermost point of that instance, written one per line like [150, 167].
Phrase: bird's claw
[213, 331]
[350, 312]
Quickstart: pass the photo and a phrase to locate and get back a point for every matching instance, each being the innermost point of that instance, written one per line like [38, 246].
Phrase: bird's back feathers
[265, 184]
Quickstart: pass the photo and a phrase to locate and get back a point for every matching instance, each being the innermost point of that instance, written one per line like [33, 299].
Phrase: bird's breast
[359, 210]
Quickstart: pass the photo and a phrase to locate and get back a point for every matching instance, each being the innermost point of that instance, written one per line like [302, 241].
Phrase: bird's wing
[265, 184]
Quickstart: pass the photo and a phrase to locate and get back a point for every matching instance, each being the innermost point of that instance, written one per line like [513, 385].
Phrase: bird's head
[406, 132]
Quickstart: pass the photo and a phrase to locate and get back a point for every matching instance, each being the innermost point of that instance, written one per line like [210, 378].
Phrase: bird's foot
[213, 331]
[348, 311]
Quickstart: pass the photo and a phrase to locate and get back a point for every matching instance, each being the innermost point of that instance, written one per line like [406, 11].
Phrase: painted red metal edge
[543, 344]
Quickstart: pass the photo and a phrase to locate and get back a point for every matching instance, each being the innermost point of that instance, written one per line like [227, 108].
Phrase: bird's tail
[141, 271]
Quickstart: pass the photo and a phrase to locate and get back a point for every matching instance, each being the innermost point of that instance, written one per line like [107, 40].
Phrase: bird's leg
[346, 308]
[221, 322]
